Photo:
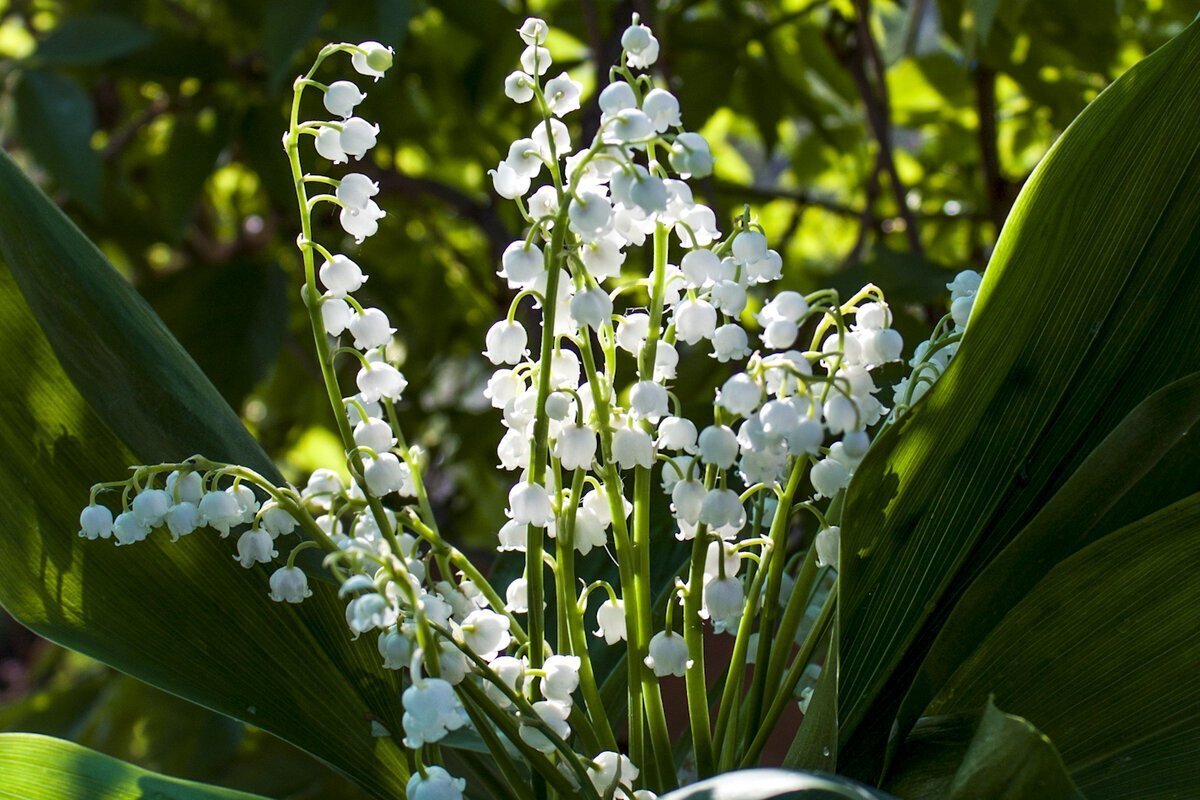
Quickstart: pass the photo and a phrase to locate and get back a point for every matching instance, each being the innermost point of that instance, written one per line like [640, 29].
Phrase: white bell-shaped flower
[341, 276]
[628, 126]
[668, 654]
[613, 774]
[255, 546]
[829, 477]
[511, 671]
[561, 678]
[357, 137]
[506, 343]
[128, 530]
[289, 585]
[718, 446]
[384, 474]
[575, 446]
[632, 447]
[610, 620]
[552, 713]
[590, 215]
[341, 97]
[530, 504]
[374, 434]
[150, 507]
[435, 783]
[361, 224]
[328, 142]
[828, 542]
[615, 97]
[677, 433]
[687, 499]
[507, 182]
[518, 87]
[740, 395]
[336, 314]
[380, 380]
[562, 94]
[371, 329]
[485, 632]
[663, 109]
[95, 522]
[591, 308]
[632, 332]
[648, 400]
[521, 265]
[724, 602]
[535, 60]
[516, 596]
[524, 158]
[640, 45]
[185, 487]
[690, 156]
[431, 710]
[371, 59]
[355, 190]
[722, 508]
[220, 511]
[695, 320]
[182, 519]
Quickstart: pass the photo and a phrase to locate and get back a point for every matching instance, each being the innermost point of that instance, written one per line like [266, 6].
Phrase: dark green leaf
[1102, 656]
[1098, 258]
[1009, 759]
[52, 769]
[1068, 522]
[89, 39]
[182, 617]
[196, 142]
[55, 121]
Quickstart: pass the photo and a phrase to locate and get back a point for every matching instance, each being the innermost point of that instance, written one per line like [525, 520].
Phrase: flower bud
[371, 59]
[690, 156]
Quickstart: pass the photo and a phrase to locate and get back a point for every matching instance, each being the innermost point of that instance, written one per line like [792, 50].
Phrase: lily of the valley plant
[592, 433]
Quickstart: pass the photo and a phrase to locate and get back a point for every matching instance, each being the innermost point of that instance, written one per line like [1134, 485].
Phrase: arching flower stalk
[592, 430]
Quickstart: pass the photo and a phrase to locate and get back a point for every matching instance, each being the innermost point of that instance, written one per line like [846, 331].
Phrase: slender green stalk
[693, 634]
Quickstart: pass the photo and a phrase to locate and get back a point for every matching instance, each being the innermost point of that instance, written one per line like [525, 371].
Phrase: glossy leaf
[184, 617]
[1068, 522]
[1097, 259]
[90, 39]
[1102, 656]
[53, 769]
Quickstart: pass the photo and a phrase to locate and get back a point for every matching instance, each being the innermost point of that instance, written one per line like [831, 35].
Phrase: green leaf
[183, 617]
[55, 122]
[89, 39]
[1102, 656]
[1098, 258]
[1067, 523]
[1009, 759]
[197, 140]
[816, 743]
[52, 769]
[776, 784]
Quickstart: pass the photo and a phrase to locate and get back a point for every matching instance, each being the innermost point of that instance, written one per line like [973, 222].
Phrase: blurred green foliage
[879, 140]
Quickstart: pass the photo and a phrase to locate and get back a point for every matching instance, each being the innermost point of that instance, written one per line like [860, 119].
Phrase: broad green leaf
[1068, 522]
[53, 769]
[196, 142]
[1102, 656]
[1097, 260]
[88, 39]
[184, 617]
[776, 784]
[1009, 759]
[55, 122]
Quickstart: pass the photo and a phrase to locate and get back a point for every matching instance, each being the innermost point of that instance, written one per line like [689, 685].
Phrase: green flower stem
[693, 635]
[572, 617]
[312, 303]
[541, 443]
[611, 480]
[793, 616]
[660, 737]
[770, 600]
[788, 687]
[518, 784]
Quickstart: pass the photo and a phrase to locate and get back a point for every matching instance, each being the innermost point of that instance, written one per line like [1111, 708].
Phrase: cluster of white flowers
[581, 428]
